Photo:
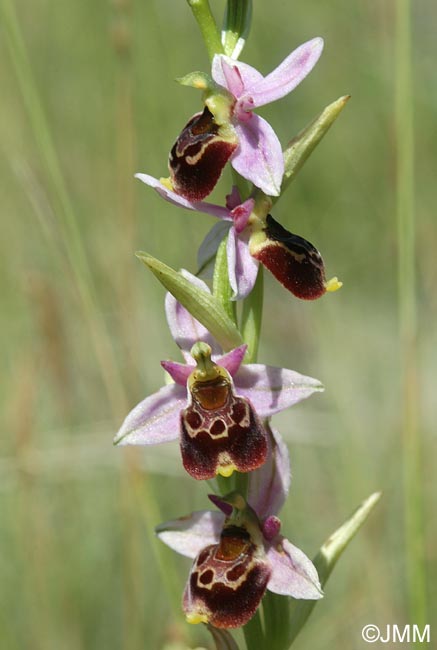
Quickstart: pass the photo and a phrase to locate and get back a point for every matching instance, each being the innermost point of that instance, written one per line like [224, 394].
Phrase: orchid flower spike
[215, 405]
[238, 552]
[228, 128]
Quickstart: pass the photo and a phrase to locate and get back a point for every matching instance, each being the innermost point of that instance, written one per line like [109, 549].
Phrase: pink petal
[285, 77]
[293, 574]
[179, 372]
[269, 485]
[242, 267]
[197, 206]
[258, 157]
[249, 76]
[189, 535]
[271, 389]
[155, 419]
[184, 328]
[234, 82]
[232, 360]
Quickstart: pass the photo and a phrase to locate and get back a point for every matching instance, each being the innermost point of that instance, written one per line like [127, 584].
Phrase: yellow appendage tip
[226, 470]
[195, 619]
[333, 285]
[167, 183]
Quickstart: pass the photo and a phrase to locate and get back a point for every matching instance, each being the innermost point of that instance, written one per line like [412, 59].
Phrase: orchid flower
[238, 552]
[258, 157]
[293, 260]
[228, 129]
[259, 390]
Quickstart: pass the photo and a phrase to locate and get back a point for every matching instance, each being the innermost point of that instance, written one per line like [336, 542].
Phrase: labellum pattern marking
[229, 434]
[227, 580]
[198, 156]
[293, 260]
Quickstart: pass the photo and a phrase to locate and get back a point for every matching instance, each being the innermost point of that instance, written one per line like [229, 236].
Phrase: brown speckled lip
[231, 434]
[227, 580]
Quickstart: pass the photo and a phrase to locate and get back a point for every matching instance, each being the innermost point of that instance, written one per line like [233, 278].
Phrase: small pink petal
[258, 157]
[271, 389]
[234, 82]
[242, 267]
[189, 535]
[285, 77]
[179, 372]
[293, 574]
[241, 213]
[249, 75]
[232, 360]
[155, 419]
[225, 507]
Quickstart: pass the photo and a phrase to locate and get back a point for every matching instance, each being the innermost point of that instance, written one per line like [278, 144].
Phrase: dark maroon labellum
[220, 432]
[199, 155]
[295, 262]
[227, 581]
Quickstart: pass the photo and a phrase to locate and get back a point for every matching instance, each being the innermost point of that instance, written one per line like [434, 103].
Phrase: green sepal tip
[198, 80]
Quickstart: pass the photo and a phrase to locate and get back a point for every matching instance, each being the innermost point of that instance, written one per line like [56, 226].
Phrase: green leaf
[301, 146]
[327, 557]
[201, 304]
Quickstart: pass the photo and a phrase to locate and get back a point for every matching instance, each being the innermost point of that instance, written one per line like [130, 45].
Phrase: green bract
[236, 25]
[301, 146]
[201, 304]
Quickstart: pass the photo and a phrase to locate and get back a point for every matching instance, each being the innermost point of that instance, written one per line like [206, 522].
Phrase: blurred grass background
[83, 329]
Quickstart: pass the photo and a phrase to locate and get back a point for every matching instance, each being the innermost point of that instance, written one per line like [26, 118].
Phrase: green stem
[208, 27]
[222, 290]
[411, 439]
[251, 319]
